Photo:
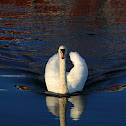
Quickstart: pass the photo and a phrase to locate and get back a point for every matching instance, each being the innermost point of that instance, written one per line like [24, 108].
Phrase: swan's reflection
[57, 106]
[53, 105]
[79, 105]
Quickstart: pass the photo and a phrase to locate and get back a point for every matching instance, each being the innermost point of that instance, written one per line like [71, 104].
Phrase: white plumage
[75, 79]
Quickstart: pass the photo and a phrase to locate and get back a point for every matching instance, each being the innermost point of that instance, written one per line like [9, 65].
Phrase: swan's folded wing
[52, 73]
[78, 74]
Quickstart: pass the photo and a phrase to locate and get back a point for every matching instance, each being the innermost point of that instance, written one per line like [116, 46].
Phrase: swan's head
[62, 51]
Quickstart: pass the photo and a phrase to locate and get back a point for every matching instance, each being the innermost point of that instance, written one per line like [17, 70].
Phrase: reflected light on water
[116, 87]
[12, 76]
[3, 89]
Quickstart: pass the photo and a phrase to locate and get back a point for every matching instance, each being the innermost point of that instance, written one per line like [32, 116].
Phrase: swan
[58, 80]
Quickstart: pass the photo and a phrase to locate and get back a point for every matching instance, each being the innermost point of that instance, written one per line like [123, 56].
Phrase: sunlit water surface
[31, 32]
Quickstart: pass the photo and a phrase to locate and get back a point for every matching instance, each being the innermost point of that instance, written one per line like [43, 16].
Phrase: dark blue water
[32, 31]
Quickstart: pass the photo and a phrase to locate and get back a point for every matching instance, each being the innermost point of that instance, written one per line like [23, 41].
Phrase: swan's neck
[63, 86]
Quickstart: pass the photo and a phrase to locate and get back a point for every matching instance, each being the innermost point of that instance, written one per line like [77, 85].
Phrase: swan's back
[76, 78]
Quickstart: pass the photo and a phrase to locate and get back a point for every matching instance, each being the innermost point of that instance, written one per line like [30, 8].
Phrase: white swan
[56, 78]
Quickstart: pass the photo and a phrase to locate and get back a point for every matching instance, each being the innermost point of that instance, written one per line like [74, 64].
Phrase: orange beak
[62, 55]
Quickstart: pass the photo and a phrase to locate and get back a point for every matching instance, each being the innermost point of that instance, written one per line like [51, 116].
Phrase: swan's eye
[62, 53]
[63, 50]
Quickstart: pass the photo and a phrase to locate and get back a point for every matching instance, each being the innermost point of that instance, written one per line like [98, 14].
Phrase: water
[32, 31]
